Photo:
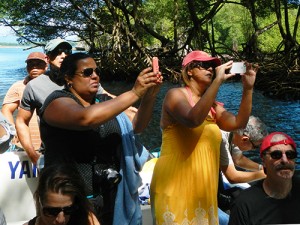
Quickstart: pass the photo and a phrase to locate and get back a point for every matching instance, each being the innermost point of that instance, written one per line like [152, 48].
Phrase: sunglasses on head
[277, 154]
[54, 211]
[205, 65]
[88, 72]
[61, 50]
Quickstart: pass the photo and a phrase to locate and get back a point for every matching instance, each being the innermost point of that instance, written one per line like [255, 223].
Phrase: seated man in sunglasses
[276, 199]
[233, 180]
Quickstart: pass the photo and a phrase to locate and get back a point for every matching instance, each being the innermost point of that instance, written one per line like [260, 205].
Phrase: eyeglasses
[54, 211]
[88, 72]
[205, 65]
[277, 154]
[61, 50]
[255, 146]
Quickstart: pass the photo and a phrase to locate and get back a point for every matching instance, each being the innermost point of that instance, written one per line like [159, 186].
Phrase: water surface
[277, 114]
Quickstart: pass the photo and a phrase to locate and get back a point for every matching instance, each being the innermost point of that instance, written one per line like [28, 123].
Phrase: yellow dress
[185, 178]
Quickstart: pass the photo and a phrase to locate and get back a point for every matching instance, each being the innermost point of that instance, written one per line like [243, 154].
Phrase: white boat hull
[18, 180]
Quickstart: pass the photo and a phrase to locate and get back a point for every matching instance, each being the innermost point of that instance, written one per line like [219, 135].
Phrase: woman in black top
[82, 127]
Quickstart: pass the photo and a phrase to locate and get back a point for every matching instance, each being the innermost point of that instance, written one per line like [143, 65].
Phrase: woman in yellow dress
[185, 178]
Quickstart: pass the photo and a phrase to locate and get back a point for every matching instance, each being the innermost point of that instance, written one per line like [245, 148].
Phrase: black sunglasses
[59, 51]
[88, 72]
[277, 154]
[36, 63]
[205, 65]
[54, 211]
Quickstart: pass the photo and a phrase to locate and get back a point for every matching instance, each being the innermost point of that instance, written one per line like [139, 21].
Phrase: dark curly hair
[69, 66]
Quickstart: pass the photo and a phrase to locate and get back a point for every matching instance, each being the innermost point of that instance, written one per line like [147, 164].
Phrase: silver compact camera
[238, 68]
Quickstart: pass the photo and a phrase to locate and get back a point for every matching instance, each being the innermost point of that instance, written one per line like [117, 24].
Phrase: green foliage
[232, 28]
[270, 40]
[141, 29]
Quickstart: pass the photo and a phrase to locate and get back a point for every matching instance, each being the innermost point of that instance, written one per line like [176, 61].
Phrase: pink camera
[155, 65]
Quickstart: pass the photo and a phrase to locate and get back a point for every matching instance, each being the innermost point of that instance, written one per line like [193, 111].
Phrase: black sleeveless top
[32, 221]
[65, 146]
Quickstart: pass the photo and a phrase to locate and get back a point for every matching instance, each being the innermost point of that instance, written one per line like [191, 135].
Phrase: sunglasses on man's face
[277, 154]
[54, 211]
[88, 72]
[59, 51]
[36, 63]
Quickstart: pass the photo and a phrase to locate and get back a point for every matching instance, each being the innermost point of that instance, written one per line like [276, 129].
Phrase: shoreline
[14, 46]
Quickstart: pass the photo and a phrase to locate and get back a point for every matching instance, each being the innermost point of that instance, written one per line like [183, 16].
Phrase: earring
[69, 85]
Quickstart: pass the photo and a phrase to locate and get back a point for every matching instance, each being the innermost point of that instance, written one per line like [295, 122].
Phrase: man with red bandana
[276, 199]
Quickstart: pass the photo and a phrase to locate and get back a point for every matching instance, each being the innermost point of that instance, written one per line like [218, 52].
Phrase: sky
[7, 35]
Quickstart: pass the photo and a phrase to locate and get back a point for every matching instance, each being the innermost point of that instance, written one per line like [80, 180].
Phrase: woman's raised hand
[249, 77]
[221, 71]
[146, 80]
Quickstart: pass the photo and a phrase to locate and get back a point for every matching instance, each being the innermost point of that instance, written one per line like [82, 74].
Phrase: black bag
[226, 197]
